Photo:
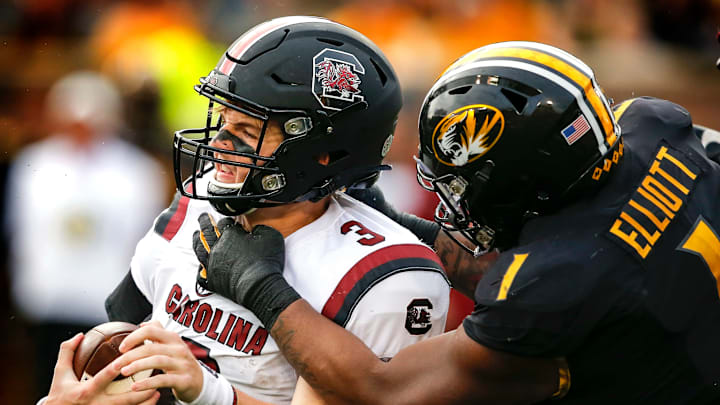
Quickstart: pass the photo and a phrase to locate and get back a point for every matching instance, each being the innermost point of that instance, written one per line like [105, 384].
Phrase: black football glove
[245, 267]
[203, 242]
[425, 230]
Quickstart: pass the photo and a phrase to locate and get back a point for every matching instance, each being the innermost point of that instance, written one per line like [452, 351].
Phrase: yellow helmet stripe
[537, 46]
[579, 78]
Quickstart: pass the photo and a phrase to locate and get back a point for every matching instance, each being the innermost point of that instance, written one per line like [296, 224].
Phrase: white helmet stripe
[558, 53]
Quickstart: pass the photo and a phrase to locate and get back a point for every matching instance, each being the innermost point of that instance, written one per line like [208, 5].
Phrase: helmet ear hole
[331, 158]
[516, 99]
[336, 156]
[323, 158]
[280, 80]
[381, 74]
[331, 41]
[460, 90]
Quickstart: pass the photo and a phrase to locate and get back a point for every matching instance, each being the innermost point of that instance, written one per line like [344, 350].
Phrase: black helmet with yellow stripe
[510, 131]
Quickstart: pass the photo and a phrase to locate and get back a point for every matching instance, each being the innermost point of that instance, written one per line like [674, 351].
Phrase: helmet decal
[467, 133]
[336, 79]
[575, 130]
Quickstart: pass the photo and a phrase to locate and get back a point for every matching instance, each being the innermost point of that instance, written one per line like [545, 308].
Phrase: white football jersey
[354, 265]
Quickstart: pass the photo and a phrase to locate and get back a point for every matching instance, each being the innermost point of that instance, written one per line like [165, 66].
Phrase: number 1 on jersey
[703, 241]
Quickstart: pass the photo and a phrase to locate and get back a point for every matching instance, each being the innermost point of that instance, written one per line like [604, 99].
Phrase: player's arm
[131, 300]
[305, 395]
[452, 368]
[447, 369]
[394, 306]
[462, 268]
[126, 303]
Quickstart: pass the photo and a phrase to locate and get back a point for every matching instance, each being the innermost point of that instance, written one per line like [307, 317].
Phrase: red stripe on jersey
[369, 262]
[177, 219]
[189, 188]
[247, 40]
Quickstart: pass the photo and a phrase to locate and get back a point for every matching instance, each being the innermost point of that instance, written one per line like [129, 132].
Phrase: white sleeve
[400, 310]
[148, 253]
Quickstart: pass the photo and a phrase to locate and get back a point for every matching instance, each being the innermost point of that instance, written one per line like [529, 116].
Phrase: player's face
[241, 132]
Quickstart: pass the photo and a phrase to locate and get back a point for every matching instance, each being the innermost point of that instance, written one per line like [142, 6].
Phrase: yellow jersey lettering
[661, 194]
[655, 169]
[630, 239]
[651, 239]
[663, 154]
[655, 202]
[661, 225]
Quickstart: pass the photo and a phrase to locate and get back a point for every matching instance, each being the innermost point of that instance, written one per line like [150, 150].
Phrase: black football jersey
[623, 284]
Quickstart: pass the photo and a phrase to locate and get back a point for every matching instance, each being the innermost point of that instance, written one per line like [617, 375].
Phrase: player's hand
[167, 352]
[246, 267]
[205, 239]
[425, 230]
[66, 389]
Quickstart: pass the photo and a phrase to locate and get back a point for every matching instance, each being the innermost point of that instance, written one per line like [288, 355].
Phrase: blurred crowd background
[92, 90]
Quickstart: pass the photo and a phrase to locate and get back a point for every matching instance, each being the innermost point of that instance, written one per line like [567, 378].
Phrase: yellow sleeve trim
[563, 380]
[510, 274]
[620, 110]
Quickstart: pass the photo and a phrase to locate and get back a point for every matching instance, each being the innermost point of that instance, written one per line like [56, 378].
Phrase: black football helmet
[330, 89]
[510, 131]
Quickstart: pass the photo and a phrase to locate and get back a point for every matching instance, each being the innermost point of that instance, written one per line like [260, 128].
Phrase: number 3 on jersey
[369, 238]
[703, 241]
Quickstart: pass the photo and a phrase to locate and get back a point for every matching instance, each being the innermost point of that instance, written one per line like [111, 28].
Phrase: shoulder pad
[651, 113]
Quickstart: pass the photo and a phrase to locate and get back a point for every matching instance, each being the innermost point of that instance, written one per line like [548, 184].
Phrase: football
[100, 347]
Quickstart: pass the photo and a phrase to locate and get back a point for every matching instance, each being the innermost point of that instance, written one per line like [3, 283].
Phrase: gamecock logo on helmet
[467, 133]
[336, 79]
